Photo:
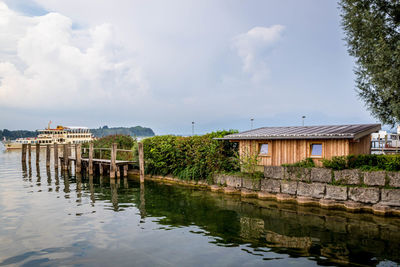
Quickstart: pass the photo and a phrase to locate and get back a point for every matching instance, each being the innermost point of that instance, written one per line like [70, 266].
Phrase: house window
[316, 150]
[264, 149]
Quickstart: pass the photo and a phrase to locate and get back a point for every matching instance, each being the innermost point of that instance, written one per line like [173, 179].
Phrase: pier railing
[104, 160]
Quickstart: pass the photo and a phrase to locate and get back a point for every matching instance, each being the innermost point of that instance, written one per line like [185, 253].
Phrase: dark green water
[47, 218]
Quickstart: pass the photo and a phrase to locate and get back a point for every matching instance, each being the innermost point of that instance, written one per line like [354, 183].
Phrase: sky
[166, 64]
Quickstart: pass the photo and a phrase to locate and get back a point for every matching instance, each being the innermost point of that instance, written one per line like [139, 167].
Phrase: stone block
[220, 179]
[394, 179]
[321, 175]
[364, 194]
[251, 184]
[271, 185]
[233, 181]
[336, 192]
[375, 178]
[289, 187]
[347, 177]
[316, 190]
[390, 197]
[297, 174]
[274, 172]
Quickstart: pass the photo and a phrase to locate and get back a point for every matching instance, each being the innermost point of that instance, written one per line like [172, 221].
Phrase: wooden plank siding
[294, 150]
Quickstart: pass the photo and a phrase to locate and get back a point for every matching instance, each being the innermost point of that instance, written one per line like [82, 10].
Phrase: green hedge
[306, 163]
[364, 162]
[190, 158]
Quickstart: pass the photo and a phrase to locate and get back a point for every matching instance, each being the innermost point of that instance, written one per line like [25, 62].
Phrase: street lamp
[192, 128]
[303, 117]
[251, 120]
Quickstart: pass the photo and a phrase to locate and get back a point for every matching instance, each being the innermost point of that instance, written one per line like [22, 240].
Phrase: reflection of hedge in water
[339, 236]
[190, 158]
[122, 141]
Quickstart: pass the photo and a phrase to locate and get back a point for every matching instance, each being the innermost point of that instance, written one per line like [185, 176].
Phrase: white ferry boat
[59, 135]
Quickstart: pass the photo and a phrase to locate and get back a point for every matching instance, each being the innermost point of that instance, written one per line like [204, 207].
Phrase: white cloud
[45, 63]
[254, 46]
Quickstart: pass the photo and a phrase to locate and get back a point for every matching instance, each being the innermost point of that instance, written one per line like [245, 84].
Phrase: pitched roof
[353, 131]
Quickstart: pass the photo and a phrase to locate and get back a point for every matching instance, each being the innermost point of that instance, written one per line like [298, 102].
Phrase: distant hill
[132, 131]
[16, 134]
[100, 132]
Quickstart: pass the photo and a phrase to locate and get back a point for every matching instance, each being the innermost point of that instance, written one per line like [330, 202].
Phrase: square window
[316, 150]
[264, 149]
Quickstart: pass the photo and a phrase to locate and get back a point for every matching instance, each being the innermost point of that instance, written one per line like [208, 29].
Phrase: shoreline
[348, 206]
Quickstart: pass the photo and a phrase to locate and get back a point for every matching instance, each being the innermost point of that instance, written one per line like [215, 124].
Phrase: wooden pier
[90, 165]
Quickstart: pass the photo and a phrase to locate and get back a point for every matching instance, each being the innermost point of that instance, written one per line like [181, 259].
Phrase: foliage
[372, 29]
[123, 142]
[190, 158]
[306, 163]
[249, 163]
[364, 162]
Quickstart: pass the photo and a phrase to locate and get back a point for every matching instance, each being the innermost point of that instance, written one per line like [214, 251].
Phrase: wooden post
[23, 159]
[29, 152]
[69, 155]
[100, 169]
[141, 162]
[37, 153]
[65, 157]
[47, 155]
[91, 159]
[78, 158]
[125, 170]
[113, 159]
[118, 171]
[55, 147]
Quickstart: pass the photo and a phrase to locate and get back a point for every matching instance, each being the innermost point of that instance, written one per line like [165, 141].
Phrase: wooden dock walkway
[90, 164]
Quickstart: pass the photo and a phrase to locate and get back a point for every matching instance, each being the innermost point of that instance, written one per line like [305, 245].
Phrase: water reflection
[212, 225]
[114, 193]
[142, 205]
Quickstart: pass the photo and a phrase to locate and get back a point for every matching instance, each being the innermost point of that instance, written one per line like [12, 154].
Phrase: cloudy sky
[163, 64]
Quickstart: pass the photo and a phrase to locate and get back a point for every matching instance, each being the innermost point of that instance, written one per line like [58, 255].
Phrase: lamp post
[192, 128]
[251, 123]
[303, 117]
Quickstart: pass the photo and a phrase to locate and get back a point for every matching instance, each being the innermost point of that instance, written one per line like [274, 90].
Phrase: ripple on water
[51, 218]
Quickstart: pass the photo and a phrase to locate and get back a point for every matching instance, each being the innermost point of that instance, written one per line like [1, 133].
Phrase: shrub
[190, 158]
[364, 162]
[306, 163]
[336, 163]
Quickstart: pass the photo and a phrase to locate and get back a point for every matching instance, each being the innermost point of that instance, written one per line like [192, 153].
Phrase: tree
[372, 29]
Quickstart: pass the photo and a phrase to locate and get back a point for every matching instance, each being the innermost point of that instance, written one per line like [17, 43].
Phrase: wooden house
[285, 145]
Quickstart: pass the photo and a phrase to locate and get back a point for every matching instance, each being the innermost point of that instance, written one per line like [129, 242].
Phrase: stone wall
[380, 189]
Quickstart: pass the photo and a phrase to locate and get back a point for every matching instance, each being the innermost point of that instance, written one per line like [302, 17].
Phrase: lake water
[47, 218]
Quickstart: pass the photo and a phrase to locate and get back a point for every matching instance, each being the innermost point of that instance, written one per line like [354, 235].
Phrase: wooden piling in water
[65, 157]
[23, 159]
[118, 171]
[113, 160]
[47, 155]
[37, 153]
[125, 170]
[55, 147]
[141, 162]
[29, 153]
[78, 157]
[100, 169]
[91, 159]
